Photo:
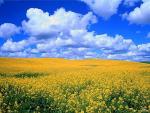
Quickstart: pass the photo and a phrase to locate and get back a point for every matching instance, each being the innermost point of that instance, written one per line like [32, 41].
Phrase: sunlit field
[50, 85]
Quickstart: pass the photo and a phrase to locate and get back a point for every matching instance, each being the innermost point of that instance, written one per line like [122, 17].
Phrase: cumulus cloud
[8, 29]
[43, 25]
[102, 42]
[65, 34]
[139, 53]
[53, 44]
[10, 46]
[130, 2]
[140, 15]
[84, 44]
[144, 47]
[103, 8]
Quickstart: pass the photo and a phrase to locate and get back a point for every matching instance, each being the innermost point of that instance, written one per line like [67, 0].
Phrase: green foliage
[16, 100]
[146, 62]
[127, 103]
[22, 75]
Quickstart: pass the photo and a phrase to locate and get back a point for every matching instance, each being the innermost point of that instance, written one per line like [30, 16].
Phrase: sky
[75, 29]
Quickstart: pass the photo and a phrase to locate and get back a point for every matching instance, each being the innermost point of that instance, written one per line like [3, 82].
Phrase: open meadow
[51, 85]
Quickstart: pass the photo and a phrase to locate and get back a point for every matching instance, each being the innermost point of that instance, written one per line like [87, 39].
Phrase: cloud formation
[66, 34]
[10, 46]
[42, 25]
[140, 15]
[103, 8]
[8, 29]
[130, 3]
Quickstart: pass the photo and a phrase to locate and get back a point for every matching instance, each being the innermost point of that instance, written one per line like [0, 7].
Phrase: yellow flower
[75, 86]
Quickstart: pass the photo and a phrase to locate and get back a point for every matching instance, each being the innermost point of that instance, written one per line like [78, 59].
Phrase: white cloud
[144, 47]
[52, 36]
[7, 30]
[43, 25]
[99, 46]
[140, 15]
[103, 42]
[10, 46]
[145, 0]
[17, 54]
[81, 43]
[103, 8]
[130, 2]
[139, 53]
[50, 45]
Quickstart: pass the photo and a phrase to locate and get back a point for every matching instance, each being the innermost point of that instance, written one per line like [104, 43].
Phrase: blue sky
[75, 29]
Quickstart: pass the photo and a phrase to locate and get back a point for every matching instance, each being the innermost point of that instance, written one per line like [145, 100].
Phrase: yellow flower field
[50, 85]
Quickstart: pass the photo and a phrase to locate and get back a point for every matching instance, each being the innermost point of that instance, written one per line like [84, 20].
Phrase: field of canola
[51, 85]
